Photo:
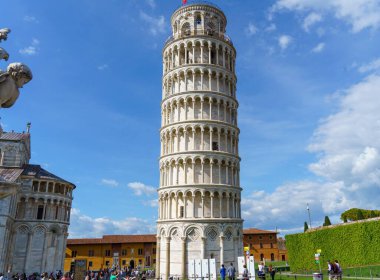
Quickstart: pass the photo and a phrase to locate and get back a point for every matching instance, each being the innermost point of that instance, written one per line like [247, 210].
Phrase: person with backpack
[231, 272]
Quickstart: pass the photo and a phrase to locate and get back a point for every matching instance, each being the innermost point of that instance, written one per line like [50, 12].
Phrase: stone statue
[4, 33]
[17, 75]
[3, 54]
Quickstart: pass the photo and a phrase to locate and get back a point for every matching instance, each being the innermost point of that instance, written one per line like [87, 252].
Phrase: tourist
[261, 272]
[222, 272]
[66, 276]
[272, 271]
[1, 276]
[332, 270]
[44, 276]
[245, 272]
[339, 270]
[113, 275]
[231, 272]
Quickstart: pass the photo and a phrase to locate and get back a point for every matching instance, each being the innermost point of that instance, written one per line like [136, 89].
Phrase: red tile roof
[14, 136]
[111, 239]
[256, 231]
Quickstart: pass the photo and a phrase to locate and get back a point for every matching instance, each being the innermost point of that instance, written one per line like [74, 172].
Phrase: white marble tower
[199, 195]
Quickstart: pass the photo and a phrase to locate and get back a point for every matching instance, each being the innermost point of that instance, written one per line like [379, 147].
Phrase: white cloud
[310, 20]
[156, 25]
[347, 167]
[251, 29]
[140, 188]
[150, 203]
[271, 27]
[32, 49]
[30, 19]
[110, 182]
[82, 226]
[318, 48]
[372, 66]
[284, 41]
[347, 142]
[360, 14]
[151, 3]
[102, 67]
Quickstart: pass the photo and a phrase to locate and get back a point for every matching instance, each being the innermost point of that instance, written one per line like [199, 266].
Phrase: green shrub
[351, 244]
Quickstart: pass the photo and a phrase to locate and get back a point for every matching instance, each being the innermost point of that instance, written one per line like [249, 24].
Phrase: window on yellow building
[140, 262]
[271, 245]
[261, 245]
[124, 252]
[272, 257]
[74, 254]
[124, 262]
[90, 264]
[154, 251]
[108, 253]
[140, 252]
[154, 260]
[107, 263]
[90, 253]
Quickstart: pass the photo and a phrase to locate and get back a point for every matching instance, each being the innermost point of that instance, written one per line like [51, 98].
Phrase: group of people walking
[334, 270]
[230, 272]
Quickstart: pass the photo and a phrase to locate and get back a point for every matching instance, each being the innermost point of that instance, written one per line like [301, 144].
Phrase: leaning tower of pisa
[199, 194]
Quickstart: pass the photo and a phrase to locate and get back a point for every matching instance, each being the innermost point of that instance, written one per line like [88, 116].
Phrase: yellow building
[110, 251]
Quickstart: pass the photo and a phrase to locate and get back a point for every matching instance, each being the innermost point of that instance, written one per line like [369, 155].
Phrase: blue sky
[308, 87]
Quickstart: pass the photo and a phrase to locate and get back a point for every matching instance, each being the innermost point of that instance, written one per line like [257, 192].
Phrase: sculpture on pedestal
[16, 75]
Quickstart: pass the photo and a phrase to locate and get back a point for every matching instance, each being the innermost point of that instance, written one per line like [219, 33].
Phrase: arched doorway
[132, 264]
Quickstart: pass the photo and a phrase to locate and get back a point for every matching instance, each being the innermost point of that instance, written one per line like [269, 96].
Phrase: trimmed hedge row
[352, 244]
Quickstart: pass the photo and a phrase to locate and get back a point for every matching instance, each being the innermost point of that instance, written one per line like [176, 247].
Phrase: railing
[194, 2]
[224, 37]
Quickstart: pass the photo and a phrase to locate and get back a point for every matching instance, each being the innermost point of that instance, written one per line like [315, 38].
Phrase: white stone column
[202, 46]
[183, 264]
[193, 201]
[212, 204]
[221, 249]
[158, 256]
[228, 205]
[167, 270]
[211, 171]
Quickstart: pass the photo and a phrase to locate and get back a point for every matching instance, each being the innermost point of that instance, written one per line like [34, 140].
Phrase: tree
[360, 215]
[372, 214]
[327, 221]
[305, 227]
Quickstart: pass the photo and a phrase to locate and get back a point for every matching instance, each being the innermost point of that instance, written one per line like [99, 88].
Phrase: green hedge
[351, 244]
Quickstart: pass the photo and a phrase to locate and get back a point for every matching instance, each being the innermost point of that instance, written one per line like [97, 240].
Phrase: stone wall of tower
[199, 195]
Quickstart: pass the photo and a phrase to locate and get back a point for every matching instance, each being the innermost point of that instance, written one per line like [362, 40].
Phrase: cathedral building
[199, 193]
[34, 210]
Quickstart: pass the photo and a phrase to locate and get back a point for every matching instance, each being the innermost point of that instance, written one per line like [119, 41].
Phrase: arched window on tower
[198, 20]
[186, 30]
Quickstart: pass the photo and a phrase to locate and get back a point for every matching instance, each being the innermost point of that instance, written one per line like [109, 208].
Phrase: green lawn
[372, 271]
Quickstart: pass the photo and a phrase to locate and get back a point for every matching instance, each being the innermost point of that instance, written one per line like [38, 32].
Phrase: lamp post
[308, 211]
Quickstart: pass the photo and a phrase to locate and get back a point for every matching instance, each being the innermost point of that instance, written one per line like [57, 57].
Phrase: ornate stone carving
[17, 75]
[3, 54]
[4, 34]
